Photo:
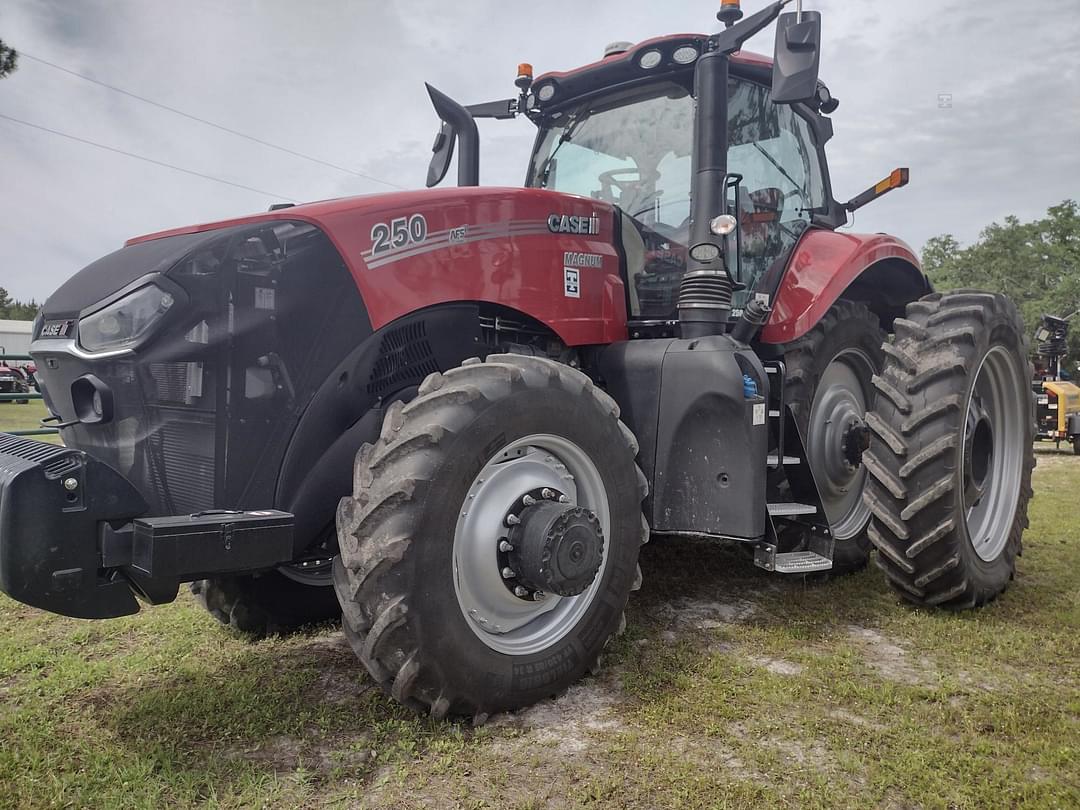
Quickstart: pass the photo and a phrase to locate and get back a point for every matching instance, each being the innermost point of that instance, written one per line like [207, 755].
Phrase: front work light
[650, 59]
[723, 224]
[122, 323]
[685, 55]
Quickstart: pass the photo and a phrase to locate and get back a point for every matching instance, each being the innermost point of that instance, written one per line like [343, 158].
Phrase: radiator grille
[170, 380]
[182, 461]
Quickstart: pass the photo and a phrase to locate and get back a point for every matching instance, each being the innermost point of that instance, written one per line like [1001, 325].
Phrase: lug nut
[71, 484]
[505, 547]
[512, 520]
[539, 596]
[508, 573]
[563, 499]
[521, 591]
[547, 494]
[528, 500]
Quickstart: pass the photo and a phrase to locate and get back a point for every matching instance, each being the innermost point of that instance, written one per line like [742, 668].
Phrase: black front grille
[181, 455]
[171, 382]
[405, 359]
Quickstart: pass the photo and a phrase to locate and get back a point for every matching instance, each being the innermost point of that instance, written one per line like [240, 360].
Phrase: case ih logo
[561, 223]
[56, 329]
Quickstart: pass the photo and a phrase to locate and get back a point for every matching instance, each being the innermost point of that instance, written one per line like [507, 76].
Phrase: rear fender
[825, 266]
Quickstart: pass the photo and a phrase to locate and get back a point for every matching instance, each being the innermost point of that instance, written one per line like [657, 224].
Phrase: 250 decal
[398, 233]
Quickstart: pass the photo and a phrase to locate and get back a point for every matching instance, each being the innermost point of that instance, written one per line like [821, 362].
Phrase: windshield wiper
[545, 169]
[779, 168]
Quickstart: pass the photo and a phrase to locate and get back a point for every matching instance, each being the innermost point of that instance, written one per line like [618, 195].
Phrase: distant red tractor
[13, 382]
[454, 415]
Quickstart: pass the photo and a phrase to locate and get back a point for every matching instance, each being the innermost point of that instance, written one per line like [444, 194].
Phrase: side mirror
[442, 152]
[797, 59]
[457, 123]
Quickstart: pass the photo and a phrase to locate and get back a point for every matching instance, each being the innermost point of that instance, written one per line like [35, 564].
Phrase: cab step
[791, 509]
[801, 562]
[808, 561]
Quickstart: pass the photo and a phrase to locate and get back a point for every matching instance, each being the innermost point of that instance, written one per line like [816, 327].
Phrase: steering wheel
[624, 180]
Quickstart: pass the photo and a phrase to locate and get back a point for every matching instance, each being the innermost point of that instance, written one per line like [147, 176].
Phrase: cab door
[771, 146]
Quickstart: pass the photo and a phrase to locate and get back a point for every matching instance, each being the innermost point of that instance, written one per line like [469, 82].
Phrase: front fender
[825, 266]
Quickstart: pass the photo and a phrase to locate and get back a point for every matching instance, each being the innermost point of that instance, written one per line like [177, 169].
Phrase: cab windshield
[634, 150]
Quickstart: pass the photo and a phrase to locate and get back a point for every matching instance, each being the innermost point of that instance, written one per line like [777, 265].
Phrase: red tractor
[455, 415]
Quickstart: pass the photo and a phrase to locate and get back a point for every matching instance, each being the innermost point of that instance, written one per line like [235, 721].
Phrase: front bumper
[72, 539]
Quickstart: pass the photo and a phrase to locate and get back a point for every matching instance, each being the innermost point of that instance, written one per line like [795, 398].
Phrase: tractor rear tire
[427, 605]
[1076, 446]
[951, 455]
[842, 353]
[266, 604]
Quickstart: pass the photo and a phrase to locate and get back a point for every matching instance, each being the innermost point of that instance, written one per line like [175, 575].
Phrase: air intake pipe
[705, 293]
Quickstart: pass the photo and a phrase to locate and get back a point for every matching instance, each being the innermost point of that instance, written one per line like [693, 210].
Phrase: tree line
[16, 310]
[1037, 264]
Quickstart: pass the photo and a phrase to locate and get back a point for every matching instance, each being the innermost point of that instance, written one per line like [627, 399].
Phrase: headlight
[123, 322]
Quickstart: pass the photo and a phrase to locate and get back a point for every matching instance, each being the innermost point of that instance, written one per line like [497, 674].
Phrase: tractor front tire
[266, 604]
[828, 384]
[951, 455]
[435, 603]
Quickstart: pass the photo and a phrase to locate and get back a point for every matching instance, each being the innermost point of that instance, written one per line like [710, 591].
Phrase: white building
[15, 337]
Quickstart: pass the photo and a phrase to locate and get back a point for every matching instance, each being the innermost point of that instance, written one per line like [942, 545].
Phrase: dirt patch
[711, 753]
[706, 615]
[814, 756]
[563, 725]
[845, 716]
[777, 666]
[890, 659]
[285, 754]
[524, 759]
[342, 678]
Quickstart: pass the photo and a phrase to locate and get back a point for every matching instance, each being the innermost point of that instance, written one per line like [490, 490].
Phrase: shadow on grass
[282, 706]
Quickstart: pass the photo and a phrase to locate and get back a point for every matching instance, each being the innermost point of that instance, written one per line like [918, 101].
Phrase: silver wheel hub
[835, 440]
[535, 487]
[993, 453]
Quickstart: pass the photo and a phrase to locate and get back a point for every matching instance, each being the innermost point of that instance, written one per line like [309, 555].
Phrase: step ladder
[804, 509]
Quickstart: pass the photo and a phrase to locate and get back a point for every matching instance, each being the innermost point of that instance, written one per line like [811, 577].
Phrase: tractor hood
[403, 249]
[349, 222]
[158, 252]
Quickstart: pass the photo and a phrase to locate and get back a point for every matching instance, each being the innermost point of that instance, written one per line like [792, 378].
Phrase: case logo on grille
[56, 329]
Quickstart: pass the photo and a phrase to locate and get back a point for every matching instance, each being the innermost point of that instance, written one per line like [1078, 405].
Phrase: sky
[980, 98]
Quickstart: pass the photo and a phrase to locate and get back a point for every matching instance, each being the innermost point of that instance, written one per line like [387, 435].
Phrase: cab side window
[772, 147]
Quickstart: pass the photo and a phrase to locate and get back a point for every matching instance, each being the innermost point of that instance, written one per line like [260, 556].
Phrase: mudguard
[825, 266]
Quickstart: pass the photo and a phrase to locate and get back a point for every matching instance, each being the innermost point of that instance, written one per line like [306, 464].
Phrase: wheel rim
[503, 621]
[840, 405]
[317, 572]
[316, 569]
[993, 453]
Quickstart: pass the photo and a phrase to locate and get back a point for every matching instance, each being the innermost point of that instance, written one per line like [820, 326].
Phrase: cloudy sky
[981, 98]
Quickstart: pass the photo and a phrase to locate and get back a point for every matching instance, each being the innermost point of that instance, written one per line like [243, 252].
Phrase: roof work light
[730, 12]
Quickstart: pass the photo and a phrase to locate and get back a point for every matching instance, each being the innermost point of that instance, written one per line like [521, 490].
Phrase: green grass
[24, 417]
[731, 688]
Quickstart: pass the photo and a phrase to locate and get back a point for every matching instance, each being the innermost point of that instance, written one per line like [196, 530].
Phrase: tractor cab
[622, 132]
